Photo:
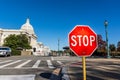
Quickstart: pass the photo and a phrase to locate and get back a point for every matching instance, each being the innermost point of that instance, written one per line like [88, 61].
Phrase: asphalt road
[96, 69]
[41, 68]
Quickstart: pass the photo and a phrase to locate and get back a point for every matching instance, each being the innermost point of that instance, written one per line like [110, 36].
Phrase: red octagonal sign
[82, 40]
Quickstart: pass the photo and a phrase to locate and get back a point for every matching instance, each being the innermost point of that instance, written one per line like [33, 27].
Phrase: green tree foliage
[112, 47]
[17, 41]
[118, 46]
[11, 41]
[23, 41]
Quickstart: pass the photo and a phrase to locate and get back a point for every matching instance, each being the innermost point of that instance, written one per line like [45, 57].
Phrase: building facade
[27, 29]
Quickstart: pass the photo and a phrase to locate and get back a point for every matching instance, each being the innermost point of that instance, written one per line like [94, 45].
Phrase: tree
[23, 41]
[118, 46]
[112, 50]
[17, 41]
[101, 50]
[112, 47]
[11, 41]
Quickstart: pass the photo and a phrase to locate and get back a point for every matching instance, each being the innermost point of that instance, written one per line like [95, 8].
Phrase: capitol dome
[27, 27]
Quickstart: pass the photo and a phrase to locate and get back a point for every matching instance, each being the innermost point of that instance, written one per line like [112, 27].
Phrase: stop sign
[82, 40]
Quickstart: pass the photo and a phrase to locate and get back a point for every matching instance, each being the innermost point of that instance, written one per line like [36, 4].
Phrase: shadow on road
[46, 75]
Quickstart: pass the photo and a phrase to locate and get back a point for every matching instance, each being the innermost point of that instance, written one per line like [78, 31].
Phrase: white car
[5, 51]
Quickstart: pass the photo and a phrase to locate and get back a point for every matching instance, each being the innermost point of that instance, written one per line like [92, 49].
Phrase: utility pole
[58, 46]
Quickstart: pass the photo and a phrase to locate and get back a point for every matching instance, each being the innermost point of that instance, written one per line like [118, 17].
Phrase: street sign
[82, 40]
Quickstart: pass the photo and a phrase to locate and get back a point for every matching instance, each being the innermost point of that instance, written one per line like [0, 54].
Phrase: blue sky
[54, 19]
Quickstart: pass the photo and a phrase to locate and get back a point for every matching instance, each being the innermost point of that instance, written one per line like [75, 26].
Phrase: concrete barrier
[26, 53]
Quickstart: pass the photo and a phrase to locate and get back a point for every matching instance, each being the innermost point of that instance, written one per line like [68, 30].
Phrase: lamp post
[107, 45]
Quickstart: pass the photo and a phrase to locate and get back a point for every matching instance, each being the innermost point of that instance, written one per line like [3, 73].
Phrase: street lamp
[107, 45]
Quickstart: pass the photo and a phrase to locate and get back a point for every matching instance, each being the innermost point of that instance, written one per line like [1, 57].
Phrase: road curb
[60, 74]
[56, 74]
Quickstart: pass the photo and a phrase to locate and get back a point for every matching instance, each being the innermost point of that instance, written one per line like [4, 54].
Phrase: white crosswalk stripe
[60, 62]
[36, 64]
[6, 61]
[17, 77]
[24, 64]
[19, 66]
[50, 64]
[10, 63]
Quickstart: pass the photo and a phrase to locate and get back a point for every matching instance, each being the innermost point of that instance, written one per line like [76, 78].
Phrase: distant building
[42, 50]
[27, 29]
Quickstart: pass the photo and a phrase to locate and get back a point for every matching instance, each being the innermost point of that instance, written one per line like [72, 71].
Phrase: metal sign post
[84, 67]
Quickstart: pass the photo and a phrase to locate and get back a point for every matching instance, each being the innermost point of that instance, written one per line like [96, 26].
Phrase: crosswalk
[10, 63]
[36, 64]
[50, 64]
[21, 65]
[18, 64]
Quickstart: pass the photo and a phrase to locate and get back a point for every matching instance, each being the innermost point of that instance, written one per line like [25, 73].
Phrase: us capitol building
[27, 29]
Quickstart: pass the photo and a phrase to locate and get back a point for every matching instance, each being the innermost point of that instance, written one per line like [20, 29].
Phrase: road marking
[60, 62]
[19, 66]
[36, 64]
[10, 63]
[17, 77]
[106, 67]
[50, 64]
[6, 61]
[52, 58]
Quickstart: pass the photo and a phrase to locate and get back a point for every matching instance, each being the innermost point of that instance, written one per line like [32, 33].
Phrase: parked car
[5, 51]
